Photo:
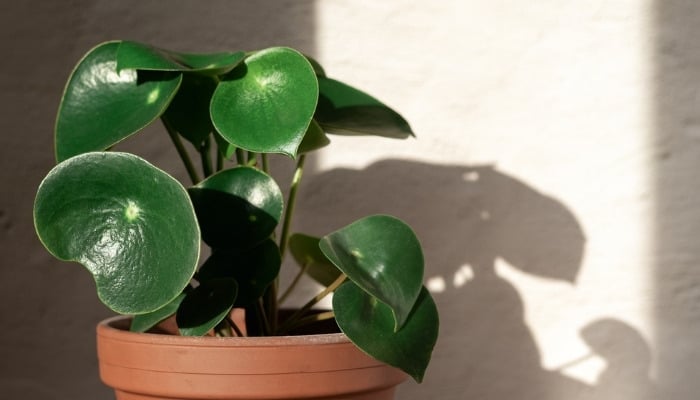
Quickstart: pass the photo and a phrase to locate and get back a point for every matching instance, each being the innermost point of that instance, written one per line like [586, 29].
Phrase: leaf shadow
[467, 218]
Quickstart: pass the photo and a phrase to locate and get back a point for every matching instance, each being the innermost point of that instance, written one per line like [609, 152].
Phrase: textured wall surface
[552, 180]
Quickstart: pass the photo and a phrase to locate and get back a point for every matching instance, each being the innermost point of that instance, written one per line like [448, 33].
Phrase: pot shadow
[467, 217]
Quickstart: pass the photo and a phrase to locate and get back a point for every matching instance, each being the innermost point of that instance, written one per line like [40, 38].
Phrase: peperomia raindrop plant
[139, 231]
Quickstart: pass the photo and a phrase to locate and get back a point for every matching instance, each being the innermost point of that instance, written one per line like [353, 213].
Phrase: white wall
[554, 100]
[552, 180]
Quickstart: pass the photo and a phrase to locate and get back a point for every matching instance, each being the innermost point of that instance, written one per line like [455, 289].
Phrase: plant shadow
[467, 218]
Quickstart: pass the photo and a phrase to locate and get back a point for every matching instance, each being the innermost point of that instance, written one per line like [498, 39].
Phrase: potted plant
[139, 231]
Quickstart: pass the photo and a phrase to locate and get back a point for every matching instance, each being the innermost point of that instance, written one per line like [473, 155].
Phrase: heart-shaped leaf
[308, 255]
[205, 306]
[370, 325]
[144, 322]
[101, 107]
[344, 110]
[238, 207]
[130, 224]
[265, 105]
[253, 269]
[382, 255]
[136, 55]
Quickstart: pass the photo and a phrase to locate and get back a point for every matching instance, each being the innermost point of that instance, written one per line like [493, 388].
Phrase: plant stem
[240, 156]
[294, 318]
[265, 163]
[234, 327]
[291, 202]
[252, 160]
[264, 317]
[205, 153]
[294, 283]
[219, 160]
[191, 171]
[322, 316]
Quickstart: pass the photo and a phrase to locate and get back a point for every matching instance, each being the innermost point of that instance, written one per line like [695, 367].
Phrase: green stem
[294, 283]
[265, 319]
[234, 327]
[219, 160]
[191, 171]
[322, 316]
[252, 161]
[291, 202]
[205, 153]
[294, 318]
[240, 156]
[265, 163]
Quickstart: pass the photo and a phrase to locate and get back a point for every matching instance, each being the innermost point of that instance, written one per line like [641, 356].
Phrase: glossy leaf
[188, 113]
[136, 55]
[237, 207]
[266, 104]
[253, 269]
[144, 322]
[382, 255]
[130, 224]
[369, 324]
[314, 139]
[101, 107]
[345, 110]
[307, 254]
[206, 306]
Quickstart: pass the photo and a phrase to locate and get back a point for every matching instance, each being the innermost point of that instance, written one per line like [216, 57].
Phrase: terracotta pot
[148, 366]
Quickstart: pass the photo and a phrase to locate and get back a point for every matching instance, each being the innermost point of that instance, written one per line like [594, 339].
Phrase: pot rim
[116, 328]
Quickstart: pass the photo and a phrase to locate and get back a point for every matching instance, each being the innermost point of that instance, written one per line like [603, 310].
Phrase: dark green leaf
[266, 104]
[188, 113]
[314, 139]
[254, 269]
[345, 110]
[382, 255]
[205, 306]
[307, 254]
[237, 207]
[144, 322]
[370, 325]
[134, 55]
[130, 224]
[101, 107]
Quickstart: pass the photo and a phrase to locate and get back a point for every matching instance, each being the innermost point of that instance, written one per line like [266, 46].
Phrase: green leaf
[188, 113]
[205, 306]
[369, 324]
[238, 207]
[130, 224]
[382, 255]
[307, 254]
[253, 269]
[314, 139]
[344, 110]
[266, 104]
[101, 107]
[134, 55]
[144, 322]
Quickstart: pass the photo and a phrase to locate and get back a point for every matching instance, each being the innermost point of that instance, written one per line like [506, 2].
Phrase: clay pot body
[146, 366]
